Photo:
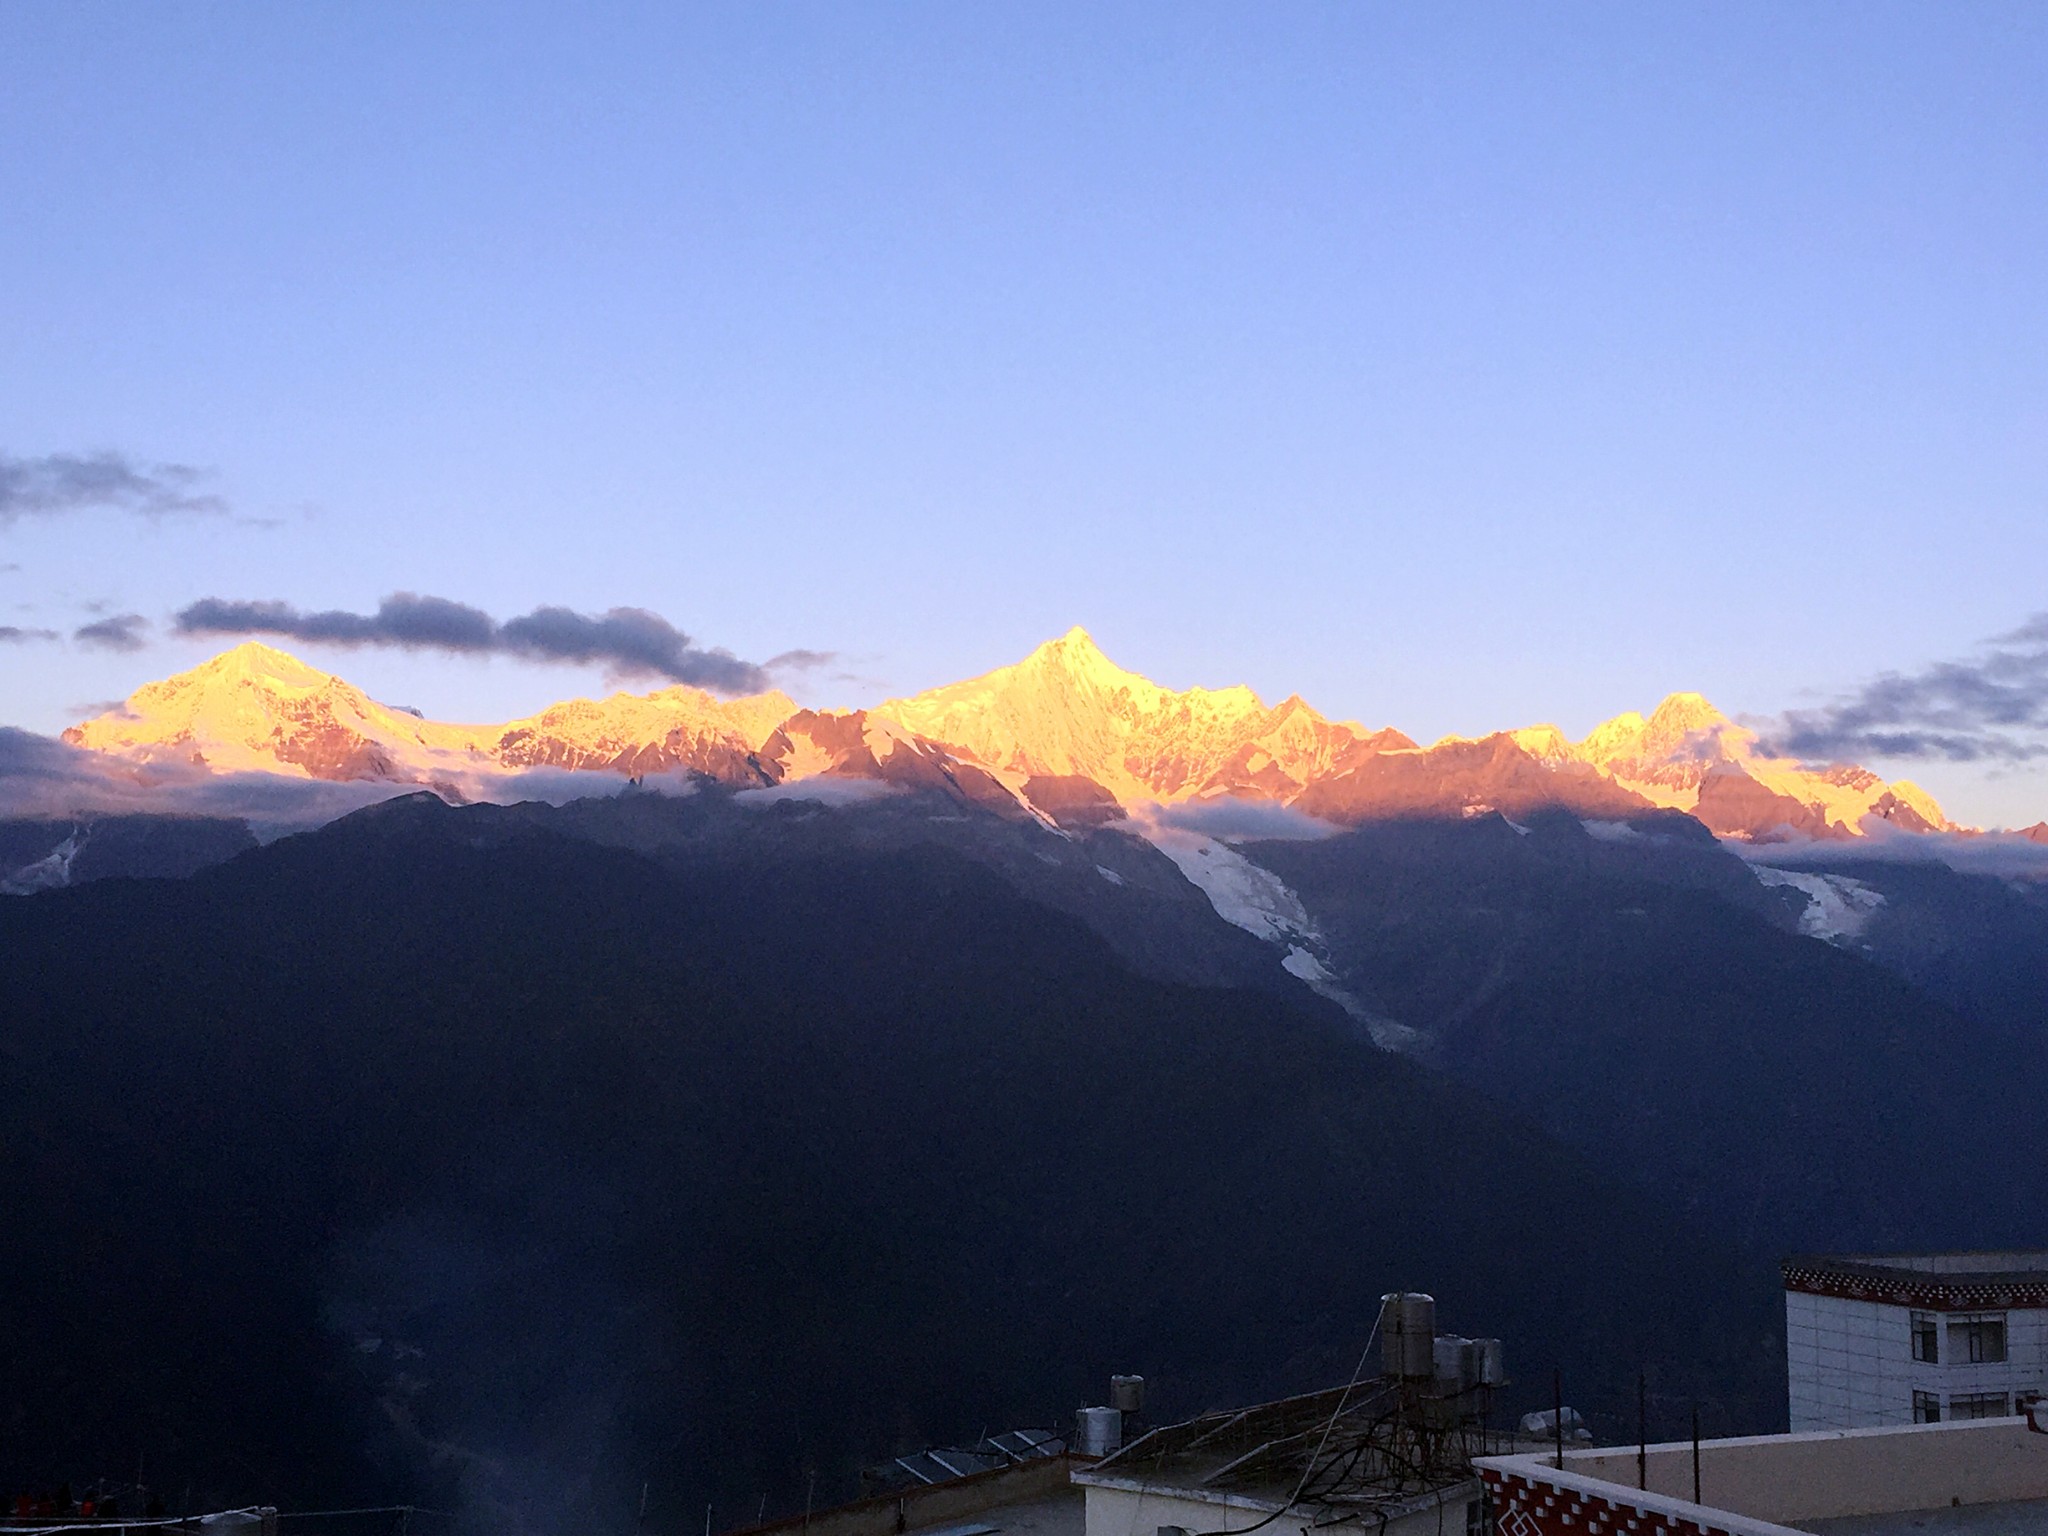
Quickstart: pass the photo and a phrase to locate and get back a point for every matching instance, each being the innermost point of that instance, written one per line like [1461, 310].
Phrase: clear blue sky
[1454, 366]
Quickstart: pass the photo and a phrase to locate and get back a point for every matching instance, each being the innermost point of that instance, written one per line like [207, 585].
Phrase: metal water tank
[1098, 1431]
[1408, 1334]
[1127, 1394]
[1449, 1359]
[1492, 1370]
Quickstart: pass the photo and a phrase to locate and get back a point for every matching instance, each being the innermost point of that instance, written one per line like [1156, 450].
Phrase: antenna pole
[1642, 1431]
[1695, 1453]
[1557, 1411]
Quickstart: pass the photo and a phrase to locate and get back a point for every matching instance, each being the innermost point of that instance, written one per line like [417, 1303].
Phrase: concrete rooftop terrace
[1858, 1482]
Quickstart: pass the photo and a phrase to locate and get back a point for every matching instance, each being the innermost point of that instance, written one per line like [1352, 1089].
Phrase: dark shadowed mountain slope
[434, 1155]
[1119, 885]
[1977, 941]
[38, 853]
[1639, 994]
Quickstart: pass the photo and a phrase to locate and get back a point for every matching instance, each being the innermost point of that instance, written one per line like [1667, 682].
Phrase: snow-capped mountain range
[1065, 735]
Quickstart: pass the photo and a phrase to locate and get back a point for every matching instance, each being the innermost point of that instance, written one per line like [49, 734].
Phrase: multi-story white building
[1877, 1339]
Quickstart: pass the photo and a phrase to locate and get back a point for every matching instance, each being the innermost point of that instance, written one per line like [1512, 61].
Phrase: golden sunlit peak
[1076, 645]
[1686, 711]
[254, 660]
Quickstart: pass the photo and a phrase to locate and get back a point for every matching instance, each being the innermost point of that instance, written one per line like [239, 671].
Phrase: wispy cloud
[122, 632]
[57, 483]
[13, 634]
[2010, 855]
[628, 641]
[1234, 820]
[820, 788]
[1992, 707]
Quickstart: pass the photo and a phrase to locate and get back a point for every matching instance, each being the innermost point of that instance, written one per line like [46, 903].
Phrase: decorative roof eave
[1848, 1280]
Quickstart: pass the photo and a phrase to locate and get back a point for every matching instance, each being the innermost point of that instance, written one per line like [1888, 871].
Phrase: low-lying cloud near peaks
[45, 777]
[1992, 708]
[629, 641]
[56, 483]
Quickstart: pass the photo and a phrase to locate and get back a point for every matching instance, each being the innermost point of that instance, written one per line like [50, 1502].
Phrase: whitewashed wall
[1850, 1365]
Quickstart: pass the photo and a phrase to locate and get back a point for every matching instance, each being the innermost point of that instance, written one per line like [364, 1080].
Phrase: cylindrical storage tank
[1127, 1394]
[1448, 1357]
[1098, 1431]
[1408, 1334]
[1472, 1361]
[1492, 1363]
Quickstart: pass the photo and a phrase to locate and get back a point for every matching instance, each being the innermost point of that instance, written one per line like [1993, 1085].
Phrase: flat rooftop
[1057, 1514]
[1342, 1450]
[2013, 1517]
[2030, 1263]
[1972, 1477]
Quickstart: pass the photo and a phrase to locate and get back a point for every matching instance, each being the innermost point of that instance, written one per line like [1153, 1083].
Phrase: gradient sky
[1453, 366]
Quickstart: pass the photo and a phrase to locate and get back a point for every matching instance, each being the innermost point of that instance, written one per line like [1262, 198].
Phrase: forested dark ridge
[437, 1155]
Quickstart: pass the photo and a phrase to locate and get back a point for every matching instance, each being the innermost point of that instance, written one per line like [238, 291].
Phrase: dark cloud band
[122, 632]
[57, 483]
[1993, 708]
[630, 641]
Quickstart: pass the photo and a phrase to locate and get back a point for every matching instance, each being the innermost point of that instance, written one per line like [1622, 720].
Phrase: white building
[1874, 1340]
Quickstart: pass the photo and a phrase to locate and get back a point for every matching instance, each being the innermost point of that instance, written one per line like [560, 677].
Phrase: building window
[1978, 1405]
[1976, 1338]
[1926, 1337]
[1926, 1408]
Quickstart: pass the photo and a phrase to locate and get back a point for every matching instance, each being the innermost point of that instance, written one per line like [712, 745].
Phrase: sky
[1454, 366]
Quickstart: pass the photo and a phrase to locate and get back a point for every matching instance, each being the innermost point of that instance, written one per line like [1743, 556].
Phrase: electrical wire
[378, 1509]
[123, 1523]
[1308, 1469]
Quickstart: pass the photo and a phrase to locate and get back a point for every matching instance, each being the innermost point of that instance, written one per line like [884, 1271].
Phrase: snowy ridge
[1673, 758]
[1068, 710]
[1253, 898]
[1838, 908]
[51, 872]
[1065, 715]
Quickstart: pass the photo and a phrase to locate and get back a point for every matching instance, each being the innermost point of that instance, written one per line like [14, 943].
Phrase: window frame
[1973, 1405]
[1972, 1331]
[1926, 1407]
[1923, 1331]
